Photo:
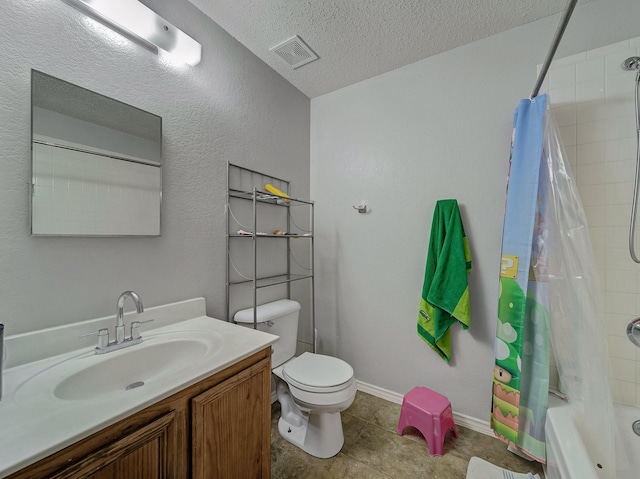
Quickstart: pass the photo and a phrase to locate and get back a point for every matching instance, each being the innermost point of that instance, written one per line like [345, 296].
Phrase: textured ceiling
[359, 39]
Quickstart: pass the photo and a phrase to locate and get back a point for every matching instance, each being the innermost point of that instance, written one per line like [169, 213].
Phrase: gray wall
[231, 107]
[439, 128]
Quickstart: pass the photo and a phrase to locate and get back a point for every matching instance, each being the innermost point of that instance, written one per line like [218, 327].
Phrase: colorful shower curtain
[549, 296]
[521, 374]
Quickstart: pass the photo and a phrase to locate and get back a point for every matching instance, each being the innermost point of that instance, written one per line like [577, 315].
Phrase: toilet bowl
[313, 389]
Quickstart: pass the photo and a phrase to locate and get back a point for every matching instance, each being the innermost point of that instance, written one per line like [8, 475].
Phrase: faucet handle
[135, 328]
[103, 337]
[633, 331]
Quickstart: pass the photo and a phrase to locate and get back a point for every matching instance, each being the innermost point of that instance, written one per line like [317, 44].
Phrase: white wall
[231, 107]
[435, 129]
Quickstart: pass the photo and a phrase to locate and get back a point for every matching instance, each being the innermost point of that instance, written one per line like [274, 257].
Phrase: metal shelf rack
[247, 185]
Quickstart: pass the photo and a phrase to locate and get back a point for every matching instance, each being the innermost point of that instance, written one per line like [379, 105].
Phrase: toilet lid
[317, 371]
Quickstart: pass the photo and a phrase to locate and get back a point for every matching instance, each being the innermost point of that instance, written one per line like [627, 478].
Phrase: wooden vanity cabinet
[216, 429]
[231, 428]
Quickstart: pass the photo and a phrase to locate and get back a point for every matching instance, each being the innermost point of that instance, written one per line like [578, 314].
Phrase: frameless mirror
[96, 166]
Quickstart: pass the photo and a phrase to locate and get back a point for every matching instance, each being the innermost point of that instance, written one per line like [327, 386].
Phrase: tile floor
[373, 450]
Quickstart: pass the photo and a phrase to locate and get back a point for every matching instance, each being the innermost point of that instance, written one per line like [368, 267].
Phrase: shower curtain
[549, 297]
[521, 374]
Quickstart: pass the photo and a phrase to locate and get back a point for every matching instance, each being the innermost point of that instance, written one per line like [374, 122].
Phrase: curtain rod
[554, 46]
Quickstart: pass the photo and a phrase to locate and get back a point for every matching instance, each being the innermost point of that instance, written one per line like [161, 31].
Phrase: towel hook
[361, 208]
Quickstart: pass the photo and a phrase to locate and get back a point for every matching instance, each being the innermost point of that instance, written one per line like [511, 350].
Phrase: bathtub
[567, 457]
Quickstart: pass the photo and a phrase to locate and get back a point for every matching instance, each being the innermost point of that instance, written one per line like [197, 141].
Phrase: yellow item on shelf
[275, 191]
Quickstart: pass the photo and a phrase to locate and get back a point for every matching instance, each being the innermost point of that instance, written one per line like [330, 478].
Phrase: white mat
[481, 469]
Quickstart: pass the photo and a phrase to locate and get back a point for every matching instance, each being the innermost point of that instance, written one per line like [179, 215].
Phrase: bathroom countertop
[35, 425]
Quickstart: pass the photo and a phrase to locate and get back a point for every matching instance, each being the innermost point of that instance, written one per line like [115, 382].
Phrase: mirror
[96, 166]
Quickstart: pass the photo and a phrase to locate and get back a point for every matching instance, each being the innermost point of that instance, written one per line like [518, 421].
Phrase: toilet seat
[317, 373]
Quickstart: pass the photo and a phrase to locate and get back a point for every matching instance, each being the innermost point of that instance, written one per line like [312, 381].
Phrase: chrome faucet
[120, 318]
[121, 341]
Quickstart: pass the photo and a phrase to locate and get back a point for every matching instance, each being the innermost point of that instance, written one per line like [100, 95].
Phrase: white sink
[89, 376]
[134, 368]
[56, 393]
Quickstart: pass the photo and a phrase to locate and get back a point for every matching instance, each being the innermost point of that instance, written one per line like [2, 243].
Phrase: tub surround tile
[601, 260]
[618, 193]
[617, 325]
[621, 281]
[622, 370]
[560, 76]
[590, 91]
[590, 174]
[590, 153]
[621, 149]
[591, 132]
[593, 195]
[564, 115]
[623, 391]
[598, 238]
[617, 237]
[620, 85]
[620, 127]
[621, 303]
[563, 94]
[619, 259]
[617, 215]
[593, 110]
[592, 69]
[596, 215]
[619, 172]
[572, 155]
[620, 105]
[604, 141]
[568, 135]
[621, 347]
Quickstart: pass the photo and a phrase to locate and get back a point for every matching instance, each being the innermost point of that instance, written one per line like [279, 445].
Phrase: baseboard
[469, 422]
[379, 392]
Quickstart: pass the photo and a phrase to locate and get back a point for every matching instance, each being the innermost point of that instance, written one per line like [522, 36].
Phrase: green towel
[445, 292]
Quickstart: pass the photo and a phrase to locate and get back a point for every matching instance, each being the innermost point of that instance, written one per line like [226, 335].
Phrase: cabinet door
[231, 427]
[143, 454]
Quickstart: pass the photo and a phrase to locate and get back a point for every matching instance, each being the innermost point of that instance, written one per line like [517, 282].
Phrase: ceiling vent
[295, 52]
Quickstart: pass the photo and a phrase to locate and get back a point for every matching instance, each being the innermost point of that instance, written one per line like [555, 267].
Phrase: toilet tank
[279, 318]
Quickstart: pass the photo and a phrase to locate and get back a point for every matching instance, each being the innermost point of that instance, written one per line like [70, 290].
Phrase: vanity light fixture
[142, 25]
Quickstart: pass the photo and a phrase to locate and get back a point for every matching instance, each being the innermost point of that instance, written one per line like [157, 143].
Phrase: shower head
[631, 63]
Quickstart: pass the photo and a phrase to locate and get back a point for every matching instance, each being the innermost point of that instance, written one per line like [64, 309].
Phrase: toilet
[313, 389]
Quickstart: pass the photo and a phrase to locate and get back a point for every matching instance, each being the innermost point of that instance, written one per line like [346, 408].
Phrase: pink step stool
[430, 413]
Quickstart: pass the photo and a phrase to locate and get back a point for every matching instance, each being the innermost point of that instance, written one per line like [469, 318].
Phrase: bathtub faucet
[633, 331]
